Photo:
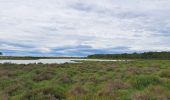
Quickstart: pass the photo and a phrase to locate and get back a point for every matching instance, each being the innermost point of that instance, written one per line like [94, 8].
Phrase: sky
[83, 27]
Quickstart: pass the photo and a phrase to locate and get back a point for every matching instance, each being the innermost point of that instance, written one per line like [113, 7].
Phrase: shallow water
[51, 61]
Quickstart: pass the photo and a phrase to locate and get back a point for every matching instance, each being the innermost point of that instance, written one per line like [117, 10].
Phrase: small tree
[0, 53]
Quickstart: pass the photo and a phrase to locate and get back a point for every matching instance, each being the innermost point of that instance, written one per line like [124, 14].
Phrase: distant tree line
[145, 55]
[33, 57]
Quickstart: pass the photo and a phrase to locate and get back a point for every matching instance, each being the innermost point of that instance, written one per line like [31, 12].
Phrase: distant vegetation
[31, 57]
[0, 53]
[145, 55]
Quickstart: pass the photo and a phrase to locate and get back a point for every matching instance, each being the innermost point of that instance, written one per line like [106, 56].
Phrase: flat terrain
[133, 80]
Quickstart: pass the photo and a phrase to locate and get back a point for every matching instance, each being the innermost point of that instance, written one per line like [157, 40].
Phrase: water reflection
[51, 61]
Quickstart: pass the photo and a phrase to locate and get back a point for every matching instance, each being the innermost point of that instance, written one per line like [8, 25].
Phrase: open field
[133, 80]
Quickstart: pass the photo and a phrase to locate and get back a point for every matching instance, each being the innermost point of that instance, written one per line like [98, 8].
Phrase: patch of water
[51, 61]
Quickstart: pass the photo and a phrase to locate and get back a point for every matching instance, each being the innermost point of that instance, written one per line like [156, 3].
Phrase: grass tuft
[143, 81]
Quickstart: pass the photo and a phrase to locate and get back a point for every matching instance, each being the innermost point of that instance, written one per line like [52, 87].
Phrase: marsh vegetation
[134, 80]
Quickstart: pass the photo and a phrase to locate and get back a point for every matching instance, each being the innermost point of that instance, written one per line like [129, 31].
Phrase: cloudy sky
[83, 27]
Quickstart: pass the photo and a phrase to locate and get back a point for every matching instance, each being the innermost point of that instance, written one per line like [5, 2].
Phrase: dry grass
[112, 86]
[165, 73]
[43, 94]
[78, 90]
[65, 79]
[4, 96]
[140, 96]
[43, 76]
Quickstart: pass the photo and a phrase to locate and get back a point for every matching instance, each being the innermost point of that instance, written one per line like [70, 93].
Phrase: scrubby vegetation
[145, 55]
[131, 80]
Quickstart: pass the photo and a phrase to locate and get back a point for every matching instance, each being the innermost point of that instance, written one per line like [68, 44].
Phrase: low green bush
[143, 81]
[49, 93]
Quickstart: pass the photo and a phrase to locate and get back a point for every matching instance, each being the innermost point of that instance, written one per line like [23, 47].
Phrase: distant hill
[145, 55]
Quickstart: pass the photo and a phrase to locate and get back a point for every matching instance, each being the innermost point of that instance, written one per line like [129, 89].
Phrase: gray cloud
[102, 25]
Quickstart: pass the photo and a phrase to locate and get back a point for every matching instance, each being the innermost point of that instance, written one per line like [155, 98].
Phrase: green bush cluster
[143, 81]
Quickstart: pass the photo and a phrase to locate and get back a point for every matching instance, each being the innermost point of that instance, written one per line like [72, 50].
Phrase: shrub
[152, 93]
[165, 74]
[158, 93]
[4, 96]
[12, 89]
[117, 84]
[65, 79]
[49, 93]
[143, 81]
[167, 85]
[43, 76]
[111, 86]
[78, 90]
[140, 96]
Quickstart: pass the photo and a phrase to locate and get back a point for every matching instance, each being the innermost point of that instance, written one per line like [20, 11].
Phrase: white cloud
[46, 25]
